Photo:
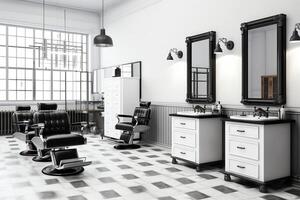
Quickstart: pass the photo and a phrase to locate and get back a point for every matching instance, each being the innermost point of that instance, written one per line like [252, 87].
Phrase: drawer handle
[182, 137]
[182, 124]
[240, 131]
[182, 153]
[243, 148]
[242, 167]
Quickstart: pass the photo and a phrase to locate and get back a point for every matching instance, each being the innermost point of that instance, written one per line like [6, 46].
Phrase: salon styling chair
[43, 155]
[22, 120]
[54, 134]
[139, 124]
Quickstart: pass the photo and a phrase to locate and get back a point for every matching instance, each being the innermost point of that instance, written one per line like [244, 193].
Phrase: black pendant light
[103, 40]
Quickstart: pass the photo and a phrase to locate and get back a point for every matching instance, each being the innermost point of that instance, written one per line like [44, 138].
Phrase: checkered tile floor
[142, 174]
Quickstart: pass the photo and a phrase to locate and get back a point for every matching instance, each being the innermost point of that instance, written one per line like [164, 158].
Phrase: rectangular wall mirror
[201, 63]
[263, 61]
[133, 69]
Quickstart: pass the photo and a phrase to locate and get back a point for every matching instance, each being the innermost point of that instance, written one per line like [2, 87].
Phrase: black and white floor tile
[142, 174]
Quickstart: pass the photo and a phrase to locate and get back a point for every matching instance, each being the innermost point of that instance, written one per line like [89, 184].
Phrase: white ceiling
[88, 5]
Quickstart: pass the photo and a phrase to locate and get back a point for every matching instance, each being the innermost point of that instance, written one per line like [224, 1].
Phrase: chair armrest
[38, 127]
[136, 118]
[78, 123]
[128, 116]
[124, 116]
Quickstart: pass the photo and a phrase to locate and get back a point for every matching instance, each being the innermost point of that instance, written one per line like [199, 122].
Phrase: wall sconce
[228, 43]
[295, 38]
[176, 51]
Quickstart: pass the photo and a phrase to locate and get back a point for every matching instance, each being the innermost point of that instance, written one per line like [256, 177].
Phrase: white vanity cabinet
[258, 151]
[196, 139]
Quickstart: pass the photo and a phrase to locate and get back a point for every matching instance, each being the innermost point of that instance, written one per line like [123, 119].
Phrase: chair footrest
[71, 163]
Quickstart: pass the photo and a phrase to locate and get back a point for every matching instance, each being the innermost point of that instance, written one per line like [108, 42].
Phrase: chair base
[46, 158]
[28, 153]
[127, 146]
[52, 171]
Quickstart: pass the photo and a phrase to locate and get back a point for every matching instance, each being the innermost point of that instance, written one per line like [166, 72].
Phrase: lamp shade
[218, 49]
[170, 57]
[103, 40]
[295, 36]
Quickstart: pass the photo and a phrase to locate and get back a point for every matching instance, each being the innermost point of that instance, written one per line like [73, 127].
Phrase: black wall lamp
[295, 36]
[228, 43]
[176, 51]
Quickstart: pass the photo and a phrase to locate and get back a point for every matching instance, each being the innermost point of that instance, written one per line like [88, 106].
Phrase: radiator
[6, 127]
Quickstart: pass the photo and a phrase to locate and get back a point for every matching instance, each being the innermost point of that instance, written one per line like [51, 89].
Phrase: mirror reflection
[262, 62]
[200, 68]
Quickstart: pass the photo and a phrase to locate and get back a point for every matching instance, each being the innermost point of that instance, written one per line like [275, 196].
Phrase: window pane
[47, 75]
[21, 74]
[56, 85]
[20, 85]
[2, 51]
[2, 73]
[47, 95]
[47, 85]
[12, 62]
[12, 74]
[12, 95]
[12, 30]
[21, 95]
[2, 95]
[2, 40]
[29, 74]
[39, 95]
[29, 95]
[12, 85]
[2, 84]
[39, 85]
[2, 61]
[2, 29]
[29, 85]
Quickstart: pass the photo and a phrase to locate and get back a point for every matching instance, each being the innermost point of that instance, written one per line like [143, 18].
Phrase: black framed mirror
[201, 64]
[264, 61]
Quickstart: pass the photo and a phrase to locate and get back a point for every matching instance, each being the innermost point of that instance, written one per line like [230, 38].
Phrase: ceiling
[87, 5]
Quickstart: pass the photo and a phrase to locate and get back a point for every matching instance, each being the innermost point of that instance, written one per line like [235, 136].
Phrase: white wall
[147, 30]
[30, 14]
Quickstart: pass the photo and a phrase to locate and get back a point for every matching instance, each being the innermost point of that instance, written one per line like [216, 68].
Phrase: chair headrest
[145, 104]
[47, 106]
[23, 108]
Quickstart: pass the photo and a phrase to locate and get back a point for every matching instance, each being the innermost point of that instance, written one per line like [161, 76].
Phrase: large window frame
[26, 76]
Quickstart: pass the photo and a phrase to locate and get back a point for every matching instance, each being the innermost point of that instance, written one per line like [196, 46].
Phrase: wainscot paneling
[160, 132]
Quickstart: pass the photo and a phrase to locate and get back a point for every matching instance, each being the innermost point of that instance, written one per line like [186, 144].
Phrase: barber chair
[139, 124]
[22, 120]
[43, 155]
[54, 133]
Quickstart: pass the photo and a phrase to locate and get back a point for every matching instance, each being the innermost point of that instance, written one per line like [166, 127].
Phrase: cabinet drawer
[184, 153]
[244, 131]
[187, 139]
[243, 168]
[185, 123]
[244, 149]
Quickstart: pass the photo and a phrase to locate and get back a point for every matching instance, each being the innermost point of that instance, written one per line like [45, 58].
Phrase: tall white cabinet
[121, 96]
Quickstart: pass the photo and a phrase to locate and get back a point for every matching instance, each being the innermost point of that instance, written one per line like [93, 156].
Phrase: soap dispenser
[281, 113]
[219, 107]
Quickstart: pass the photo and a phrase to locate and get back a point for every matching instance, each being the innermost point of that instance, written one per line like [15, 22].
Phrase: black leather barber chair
[139, 124]
[22, 120]
[43, 155]
[54, 133]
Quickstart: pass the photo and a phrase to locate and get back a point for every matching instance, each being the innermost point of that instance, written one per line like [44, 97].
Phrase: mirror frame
[211, 95]
[280, 21]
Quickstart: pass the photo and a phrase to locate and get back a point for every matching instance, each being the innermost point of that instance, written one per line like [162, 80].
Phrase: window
[26, 73]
